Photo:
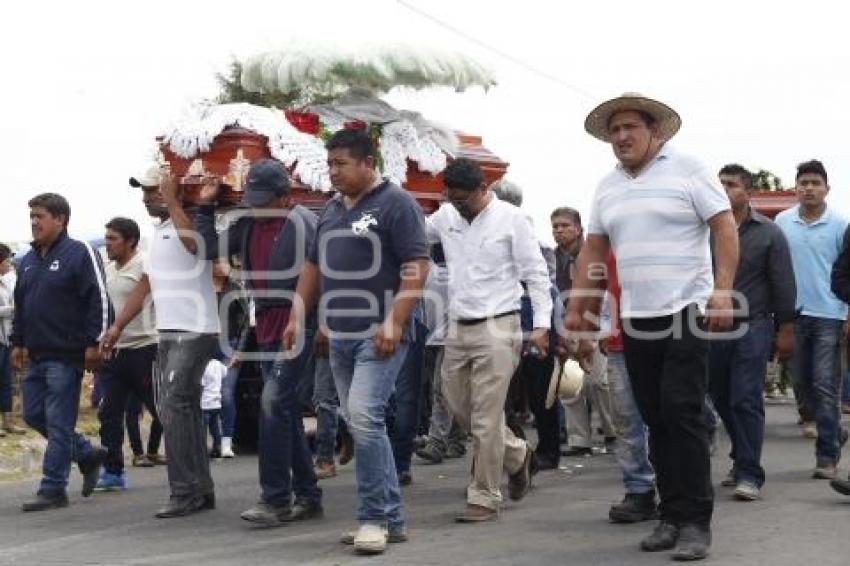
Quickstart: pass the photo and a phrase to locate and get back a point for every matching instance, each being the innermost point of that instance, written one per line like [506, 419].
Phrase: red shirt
[615, 341]
[270, 322]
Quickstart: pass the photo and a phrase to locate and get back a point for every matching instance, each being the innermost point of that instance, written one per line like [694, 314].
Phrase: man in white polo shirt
[181, 285]
[655, 210]
[129, 369]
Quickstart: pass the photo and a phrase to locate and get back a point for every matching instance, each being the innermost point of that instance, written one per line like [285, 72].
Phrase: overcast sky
[87, 85]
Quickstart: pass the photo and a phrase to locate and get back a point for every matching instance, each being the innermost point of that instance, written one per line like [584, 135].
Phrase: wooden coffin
[771, 203]
[428, 189]
[235, 149]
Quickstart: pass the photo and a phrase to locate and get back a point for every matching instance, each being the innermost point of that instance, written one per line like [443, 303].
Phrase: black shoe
[634, 508]
[432, 452]
[664, 537]
[303, 509]
[405, 479]
[577, 451]
[215, 453]
[267, 515]
[209, 501]
[90, 468]
[841, 486]
[182, 506]
[693, 544]
[45, 501]
[610, 444]
[546, 462]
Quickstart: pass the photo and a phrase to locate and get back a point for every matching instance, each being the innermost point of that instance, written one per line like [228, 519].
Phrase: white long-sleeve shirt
[488, 258]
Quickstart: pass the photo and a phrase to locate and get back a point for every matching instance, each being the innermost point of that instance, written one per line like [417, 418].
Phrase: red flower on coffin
[306, 122]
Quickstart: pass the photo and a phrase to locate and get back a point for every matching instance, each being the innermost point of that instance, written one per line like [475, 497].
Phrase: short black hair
[5, 252]
[357, 142]
[464, 174]
[55, 204]
[128, 229]
[740, 171]
[569, 212]
[812, 166]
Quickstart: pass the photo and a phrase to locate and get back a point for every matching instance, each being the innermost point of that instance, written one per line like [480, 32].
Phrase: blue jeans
[5, 379]
[406, 403]
[228, 402]
[327, 411]
[51, 399]
[365, 383]
[817, 377]
[285, 460]
[736, 382]
[632, 448]
[212, 423]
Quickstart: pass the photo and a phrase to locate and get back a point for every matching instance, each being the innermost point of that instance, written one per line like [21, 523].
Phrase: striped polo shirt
[657, 225]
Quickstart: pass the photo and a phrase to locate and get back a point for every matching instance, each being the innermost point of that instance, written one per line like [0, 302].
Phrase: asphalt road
[562, 521]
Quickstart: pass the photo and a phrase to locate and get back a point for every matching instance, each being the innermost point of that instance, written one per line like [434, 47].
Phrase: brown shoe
[346, 447]
[142, 461]
[477, 514]
[520, 482]
[824, 470]
[9, 425]
[158, 459]
[325, 470]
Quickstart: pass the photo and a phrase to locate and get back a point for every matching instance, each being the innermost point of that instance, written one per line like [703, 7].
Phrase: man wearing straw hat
[655, 211]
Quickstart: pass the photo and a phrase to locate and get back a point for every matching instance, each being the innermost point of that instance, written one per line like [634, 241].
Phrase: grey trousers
[595, 392]
[180, 363]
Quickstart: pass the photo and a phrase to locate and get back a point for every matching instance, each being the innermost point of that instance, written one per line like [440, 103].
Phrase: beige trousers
[477, 368]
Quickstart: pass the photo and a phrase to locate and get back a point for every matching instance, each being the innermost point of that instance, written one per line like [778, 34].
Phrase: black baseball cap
[267, 179]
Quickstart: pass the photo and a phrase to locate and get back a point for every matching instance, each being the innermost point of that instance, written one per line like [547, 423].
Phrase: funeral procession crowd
[646, 329]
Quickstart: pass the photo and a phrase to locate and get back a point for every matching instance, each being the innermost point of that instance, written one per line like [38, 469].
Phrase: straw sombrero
[668, 120]
[566, 381]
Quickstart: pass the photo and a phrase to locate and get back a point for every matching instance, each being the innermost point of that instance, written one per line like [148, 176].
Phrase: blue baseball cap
[267, 179]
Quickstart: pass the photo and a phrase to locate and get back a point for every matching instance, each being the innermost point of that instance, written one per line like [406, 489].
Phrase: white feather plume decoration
[376, 68]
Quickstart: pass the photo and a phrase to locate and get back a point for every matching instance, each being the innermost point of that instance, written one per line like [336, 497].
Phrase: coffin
[235, 149]
[771, 203]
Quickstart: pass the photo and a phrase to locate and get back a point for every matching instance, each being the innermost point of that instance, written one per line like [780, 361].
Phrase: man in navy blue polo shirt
[370, 260]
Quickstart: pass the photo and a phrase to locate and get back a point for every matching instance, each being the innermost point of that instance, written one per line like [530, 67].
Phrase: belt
[471, 321]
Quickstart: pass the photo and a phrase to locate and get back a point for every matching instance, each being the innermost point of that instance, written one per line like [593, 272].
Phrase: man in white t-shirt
[181, 285]
[129, 370]
[655, 210]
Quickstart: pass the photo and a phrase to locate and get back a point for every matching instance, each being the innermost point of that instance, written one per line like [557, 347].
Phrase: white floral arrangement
[400, 142]
[196, 129]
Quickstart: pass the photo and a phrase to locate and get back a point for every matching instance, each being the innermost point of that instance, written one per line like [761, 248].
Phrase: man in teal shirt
[814, 233]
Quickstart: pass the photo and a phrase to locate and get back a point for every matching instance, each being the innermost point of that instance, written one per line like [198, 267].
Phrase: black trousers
[535, 375]
[667, 361]
[128, 371]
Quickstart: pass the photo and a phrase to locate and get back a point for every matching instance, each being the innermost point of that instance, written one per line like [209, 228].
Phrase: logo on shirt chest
[360, 227]
[54, 266]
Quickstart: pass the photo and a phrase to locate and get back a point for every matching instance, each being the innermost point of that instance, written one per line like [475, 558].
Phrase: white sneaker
[747, 491]
[227, 447]
[370, 539]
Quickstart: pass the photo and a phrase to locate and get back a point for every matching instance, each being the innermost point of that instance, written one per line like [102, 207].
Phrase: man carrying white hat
[655, 210]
